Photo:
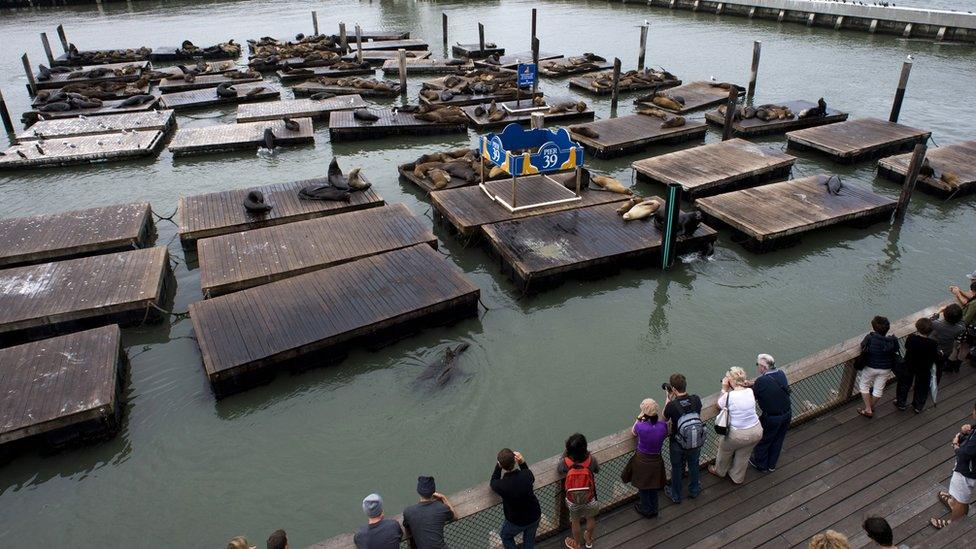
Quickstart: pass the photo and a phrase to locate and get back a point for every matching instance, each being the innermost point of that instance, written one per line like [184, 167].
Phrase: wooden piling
[533, 25]
[315, 23]
[754, 72]
[343, 39]
[63, 38]
[5, 115]
[730, 107]
[669, 238]
[535, 60]
[444, 27]
[481, 37]
[616, 84]
[643, 48]
[537, 120]
[359, 43]
[906, 69]
[47, 49]
[31, 83]
[918, 155]
[402, 65]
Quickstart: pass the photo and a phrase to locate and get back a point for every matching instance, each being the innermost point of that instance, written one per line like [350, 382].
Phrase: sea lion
[44, 73]
[226, 91]
[356, 181]
[495, 171]
[254, 91]
[673, 122]
[136, 100]
[254, 203]
[268, 139]
[320, 96]
[57, 106]
[666, 102]
[609, 184]
[585, 131]
[814, 112]
[85, 103]
[299, 37]
[626, 206]
[323, 192]
[445, 95]
[439, 178]
[335, 177]
[644, 209]
[926, 170]
[291, 125]
[189, 78]
[498, 115]
[687, 224]
[187, 45]
[833, 184]
[950, 179]
[365, 115]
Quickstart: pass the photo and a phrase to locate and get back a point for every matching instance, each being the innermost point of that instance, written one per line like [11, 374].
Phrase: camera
[666, 387]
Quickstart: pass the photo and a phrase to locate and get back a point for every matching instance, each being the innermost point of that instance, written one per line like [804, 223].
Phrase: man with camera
[686, 436]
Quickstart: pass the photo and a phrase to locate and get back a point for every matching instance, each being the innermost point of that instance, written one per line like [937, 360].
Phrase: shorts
[873, 381]
[583, 510]
[961, 488]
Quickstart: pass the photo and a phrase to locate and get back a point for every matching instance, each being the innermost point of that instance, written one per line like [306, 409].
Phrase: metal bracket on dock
[781, 16]
[838, 22]
[908, 31]
[874, 26]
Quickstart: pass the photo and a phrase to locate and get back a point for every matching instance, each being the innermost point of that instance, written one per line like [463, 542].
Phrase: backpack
[690, 430]
[580, 485]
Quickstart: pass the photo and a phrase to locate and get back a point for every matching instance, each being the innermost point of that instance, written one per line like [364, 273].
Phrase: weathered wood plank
[512, 60]
[292, 76]
[179, 84]
[752, 127]
[107, 108]
[109, 123]
[343, 126]
[859, 139]
[295, 108]
[627, 134]
[697, 95]
[391, 45]
[120, 72]
[588, 83]
[957, 162]
[245, 135]
[208, 97]
[306, 89]
[474, 51]
[515, 114]
[557, 68]
[81, 150]
[428, 66]
[378, 57]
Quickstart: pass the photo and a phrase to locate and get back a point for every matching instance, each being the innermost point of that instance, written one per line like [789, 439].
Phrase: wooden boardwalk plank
[752, 127]
[246, 135]
[208, 97]
[42, 238]
[121, 72]
[242, 260]
[789, 208]
[50, 297]
[103, 57]
[390, 45]
[311, 87]
[859, 139]
[61, 383]
[958, 159]
[170, 85]
[108, 107]
[699, 94]
[376, 35]
[428, 66]
[716, 167]
[343, 126]
[587, 83]
[293, 76]
[569, 66]
[295, 108]
[109, 123]
[481, 122]
[512, 60]
[627, 134]
[82, 150]
[214, 214]
[378, 57]
[321, 309]
[474, 51]
[545, 247]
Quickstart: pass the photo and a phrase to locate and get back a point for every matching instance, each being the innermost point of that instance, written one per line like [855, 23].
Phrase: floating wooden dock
[462, 100]
[374, 35]
[344, 127]
[211, 67]
[753, 126]
[294, 76]
[219, 213]
[427, 66]
[52, 298]
[317, 109]
[171, 54]
[124, 93]
[468, 209]
[378, 57]
[130, 73]
[82, 150]
[775, 215]
[571, 66]
[244, 135]
[697, 95]
[64, 389]
[628, 134]
[406, 173]
[587, 83]
[107, 108]
[306, 89]
[481, 122]
[859, 139]
[715, 168]
[412, 44]
[53, 237]
[162, 121]
[238, 261]
[327, 310]
[957, 160]
[512, 60]
[474, 51]
[208, 97]
[104, 57]
[171, 85]
[540, 250]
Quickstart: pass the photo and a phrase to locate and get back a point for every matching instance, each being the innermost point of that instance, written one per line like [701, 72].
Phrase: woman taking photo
[645, 471]
[744, 429]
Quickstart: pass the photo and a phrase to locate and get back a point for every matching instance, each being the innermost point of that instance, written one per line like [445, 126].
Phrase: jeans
[509, 531]
[766, 453]
[920, 380]
[679, 458]
[648, 501]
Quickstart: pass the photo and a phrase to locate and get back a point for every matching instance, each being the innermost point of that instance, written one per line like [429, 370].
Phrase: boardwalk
[244, 135]
[627, 134]
[82, 150]
[343, 126]
[697, 95]
[109, 123]
[752, 127]
[954, 165]
[297, 108]
[208, 97]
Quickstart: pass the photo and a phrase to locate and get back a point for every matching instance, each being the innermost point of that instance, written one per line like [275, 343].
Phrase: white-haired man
[772, 391]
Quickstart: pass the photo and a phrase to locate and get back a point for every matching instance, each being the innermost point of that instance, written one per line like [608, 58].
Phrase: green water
[300, 453]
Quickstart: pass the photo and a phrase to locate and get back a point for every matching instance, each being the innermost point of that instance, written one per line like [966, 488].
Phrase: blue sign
[555, 151]
[526, 75]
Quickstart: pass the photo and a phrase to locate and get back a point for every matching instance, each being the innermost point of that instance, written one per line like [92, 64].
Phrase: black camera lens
[666, 386]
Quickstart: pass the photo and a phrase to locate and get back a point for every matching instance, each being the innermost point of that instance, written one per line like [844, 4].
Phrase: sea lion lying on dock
[643, 209]
[291, 125]
[441, 168]
[254, 203]
[338, 187]
[605, 183]
[833, 184]
[668, 102]
[226, 91]
[767, 113]
[446, 114]
[359, 83]
[668, 120]
[136, 100]
[585, 131]
[631, 78]
[365, 115]
[578, 106]
[814, 112]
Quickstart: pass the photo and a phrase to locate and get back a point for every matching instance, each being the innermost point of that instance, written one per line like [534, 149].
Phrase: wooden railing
[819, 382]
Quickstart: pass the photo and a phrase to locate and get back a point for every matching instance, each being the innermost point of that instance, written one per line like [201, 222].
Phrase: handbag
[722, 420]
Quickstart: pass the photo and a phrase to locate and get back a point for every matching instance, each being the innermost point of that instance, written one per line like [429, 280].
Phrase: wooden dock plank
[244, 135]
[52, 237]
[467, 209]
[699, 94]
[569, 66]
[376, 35]
[474, 51]
[172, 54]
[80, 150]
[859, 139]
[378, 57]
[343, 126]
[406, 173]
[414, 44]
[542, 248]
[121, 72]
[61, 383]
[292, 76]
[171, 85]
[428, 66]
[103, 57]
[294, 108]
[107, 108]
[752, 127]
[512, 60]
[315, 311]
[238, 261]
[109, 91]
[958, 160]
[219, 213]
[788, 208]
[52, 297]
[627, 134]
[716, 167]
[110, 123]
[330, 85]
[481, 121]
[208, 97]
[587, 83]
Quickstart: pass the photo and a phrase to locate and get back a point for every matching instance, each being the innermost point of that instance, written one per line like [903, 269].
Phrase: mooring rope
[184, 314]
[167, 218]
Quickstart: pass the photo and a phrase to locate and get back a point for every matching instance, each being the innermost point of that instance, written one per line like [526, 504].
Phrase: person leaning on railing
[513, 482]
[947, 331]
[645, 470]
[687, 436]
[921, 354]
[744, 429]
[424, 521]
[772, 391]
[577, 468]
[879, 355]
[379, 532]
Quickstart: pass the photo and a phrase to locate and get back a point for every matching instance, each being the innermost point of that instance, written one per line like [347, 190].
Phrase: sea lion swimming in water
[268, 139]
[365, 115]
[444, 366]
[291, 125]
[254, 203]
[833, 184]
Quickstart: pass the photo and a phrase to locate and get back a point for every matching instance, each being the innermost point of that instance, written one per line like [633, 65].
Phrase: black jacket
[880, 352]
[518, 499]
[772, 392]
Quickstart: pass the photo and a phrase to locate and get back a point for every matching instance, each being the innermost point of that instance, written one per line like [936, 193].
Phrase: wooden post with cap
[730, 107]
[359, 43]
[47, 49]
[481, 37]
[31, 82]
[615, 92]
[533, 25]
[63, 38]
[343, 39]
[535, 61]
[906, 69]
[754, 71]
[911, 176]
[643, 47]
[5, 115]
[444, 27]
[315, 23]
[402, 64]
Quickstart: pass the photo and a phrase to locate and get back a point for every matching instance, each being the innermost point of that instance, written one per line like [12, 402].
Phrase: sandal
[711, 469]
[865, 413]
[940, 523]
[588, 543]
[945, 498]
[571, 543]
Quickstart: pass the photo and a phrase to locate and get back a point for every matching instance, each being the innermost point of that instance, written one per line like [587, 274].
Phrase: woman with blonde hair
[645, 471]
[239, 542]
[738, 405]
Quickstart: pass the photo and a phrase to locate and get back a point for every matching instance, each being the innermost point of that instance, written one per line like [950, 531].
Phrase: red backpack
[580, 485]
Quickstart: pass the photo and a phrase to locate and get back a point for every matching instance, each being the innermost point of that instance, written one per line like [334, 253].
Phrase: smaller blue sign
[526, 75]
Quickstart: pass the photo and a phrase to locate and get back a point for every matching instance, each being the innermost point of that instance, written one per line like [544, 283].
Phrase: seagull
[910, 58]
[712, 78]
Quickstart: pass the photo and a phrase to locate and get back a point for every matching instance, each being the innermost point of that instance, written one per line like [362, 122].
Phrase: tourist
[969, 310]
[962, 484]
[879, 354]
[963, 297]
[772, 392]
[577, 468]
[745, 430]
[379, 532]
[947, 332]
[645, 470]
[687, 436]
[239, 542]
[424, 522]
[829, 540]
[879, 531]
[278, 540]
[921, 353]
[513, 482]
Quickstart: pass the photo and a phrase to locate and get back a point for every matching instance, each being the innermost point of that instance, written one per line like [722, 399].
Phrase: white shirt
[742, 408]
